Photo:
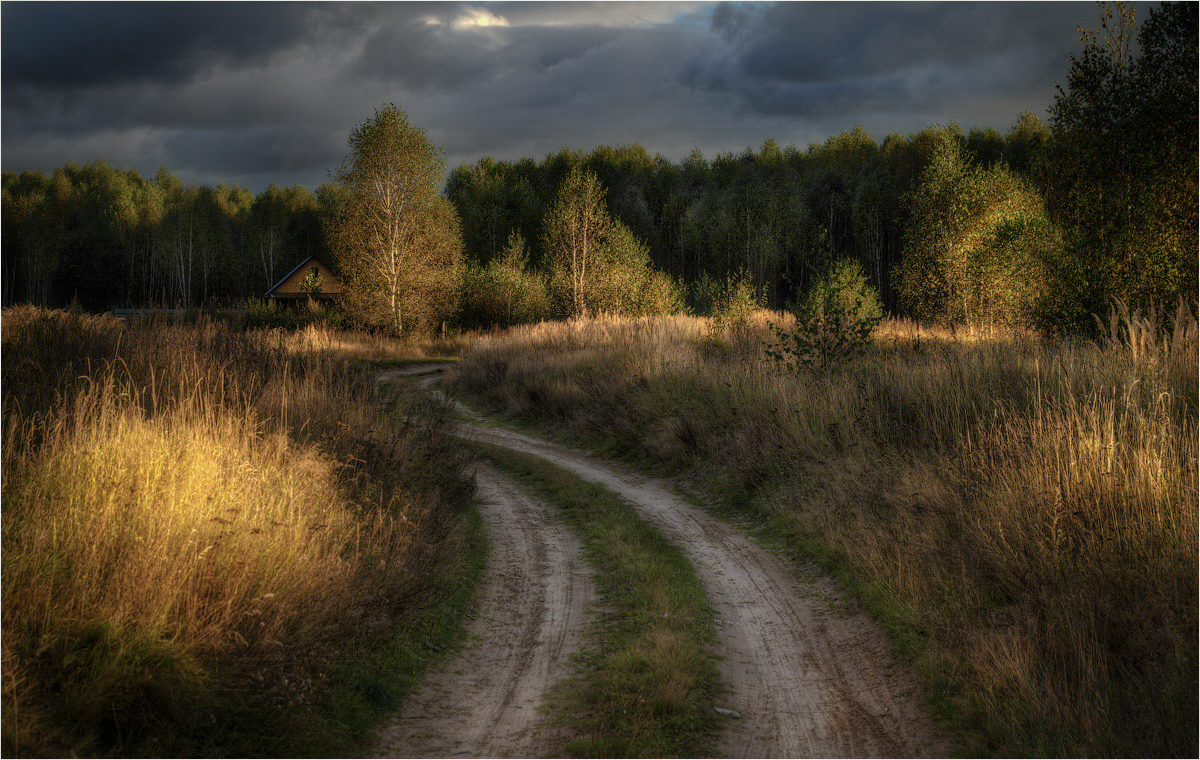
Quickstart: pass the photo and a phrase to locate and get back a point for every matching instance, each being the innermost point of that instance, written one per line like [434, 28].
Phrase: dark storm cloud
[808, 59]
[254, 92]
[258, 150]
[54, 45]
[422, 54]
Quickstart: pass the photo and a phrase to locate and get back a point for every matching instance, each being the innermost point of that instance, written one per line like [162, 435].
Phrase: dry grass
[189, 510]
[1021, 513]
[371, 347]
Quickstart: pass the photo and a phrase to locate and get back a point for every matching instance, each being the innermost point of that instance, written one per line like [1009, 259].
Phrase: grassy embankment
[1020, 514]
[216, 542]
[648, 680]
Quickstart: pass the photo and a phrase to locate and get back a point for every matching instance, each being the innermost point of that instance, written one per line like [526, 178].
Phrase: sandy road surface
[533, 610]
[808, 678]
[809, 681]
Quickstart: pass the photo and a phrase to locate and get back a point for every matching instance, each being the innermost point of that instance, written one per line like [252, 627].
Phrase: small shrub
[702, 295]
[269, 314]
[313, 283]
[834, 322]
[658, 295]
[733, 303]
[506, 291]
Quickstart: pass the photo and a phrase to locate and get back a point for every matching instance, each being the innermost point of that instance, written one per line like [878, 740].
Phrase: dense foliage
[1120, 175]
[395, 239]
[979, 245]
[105, 237]
[780, 215]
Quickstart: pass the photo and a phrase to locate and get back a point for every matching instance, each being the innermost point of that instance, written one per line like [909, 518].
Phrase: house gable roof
[290, 285]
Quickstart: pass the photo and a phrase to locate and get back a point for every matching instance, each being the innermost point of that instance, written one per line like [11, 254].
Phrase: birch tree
[396, 239]
[576, 227]
[978, 242]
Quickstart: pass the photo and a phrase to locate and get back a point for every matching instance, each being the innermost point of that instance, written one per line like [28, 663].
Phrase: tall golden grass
[1021, 513]
[190, 510]
[368, 346]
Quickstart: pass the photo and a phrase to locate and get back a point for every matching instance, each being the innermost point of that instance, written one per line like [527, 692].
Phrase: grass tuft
[203, 529]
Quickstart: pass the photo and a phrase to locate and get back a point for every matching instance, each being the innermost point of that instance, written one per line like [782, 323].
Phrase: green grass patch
[647, 685]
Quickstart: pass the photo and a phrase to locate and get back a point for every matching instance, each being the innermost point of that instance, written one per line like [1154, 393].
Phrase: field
[214, 540]
[220, 541]
[1020, 513]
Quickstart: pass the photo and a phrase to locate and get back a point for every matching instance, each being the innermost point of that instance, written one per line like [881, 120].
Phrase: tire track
[807, 683]
[809, 677]
[533, 603]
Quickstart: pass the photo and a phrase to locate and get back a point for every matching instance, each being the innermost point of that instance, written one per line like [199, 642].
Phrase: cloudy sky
[251, 93]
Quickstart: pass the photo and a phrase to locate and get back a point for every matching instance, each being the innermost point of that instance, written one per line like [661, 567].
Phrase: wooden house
[292, 287]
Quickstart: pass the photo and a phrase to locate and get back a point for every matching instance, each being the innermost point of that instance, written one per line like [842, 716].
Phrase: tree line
[778, 215]
[104, 237]
[1042, 224]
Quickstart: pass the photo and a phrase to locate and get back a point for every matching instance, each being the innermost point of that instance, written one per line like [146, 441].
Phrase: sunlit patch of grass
[200, 527]
[648, 682]
[374, 347]
[1021, 513]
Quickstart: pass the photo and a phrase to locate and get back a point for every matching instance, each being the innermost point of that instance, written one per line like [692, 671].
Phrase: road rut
[533, 611]
[809, 678]
[809, 673]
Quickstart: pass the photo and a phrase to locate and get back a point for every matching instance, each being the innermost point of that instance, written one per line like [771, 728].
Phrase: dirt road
[533, 611]
[809, 674]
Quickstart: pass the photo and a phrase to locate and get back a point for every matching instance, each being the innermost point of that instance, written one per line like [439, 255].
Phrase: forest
[1041, 225]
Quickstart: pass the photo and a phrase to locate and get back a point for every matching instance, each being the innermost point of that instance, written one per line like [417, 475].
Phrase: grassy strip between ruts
[647, 685]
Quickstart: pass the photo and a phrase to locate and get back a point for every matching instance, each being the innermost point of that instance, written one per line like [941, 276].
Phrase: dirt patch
[433, 369]
[533, 611]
